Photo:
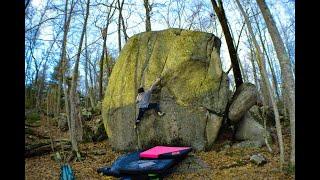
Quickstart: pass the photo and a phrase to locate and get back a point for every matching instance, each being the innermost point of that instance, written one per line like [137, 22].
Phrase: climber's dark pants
[154, 106]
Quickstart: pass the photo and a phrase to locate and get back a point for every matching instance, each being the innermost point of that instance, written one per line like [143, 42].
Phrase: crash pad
[113, 170]
[154, 166]
[165, 152]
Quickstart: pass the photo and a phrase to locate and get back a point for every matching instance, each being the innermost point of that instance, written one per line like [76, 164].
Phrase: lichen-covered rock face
[193, 84]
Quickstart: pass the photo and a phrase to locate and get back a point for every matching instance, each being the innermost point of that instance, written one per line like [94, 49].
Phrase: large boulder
[193, 85]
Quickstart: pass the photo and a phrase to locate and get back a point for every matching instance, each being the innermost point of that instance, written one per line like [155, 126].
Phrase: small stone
[99, 152]
[258, 159]
[226, 146]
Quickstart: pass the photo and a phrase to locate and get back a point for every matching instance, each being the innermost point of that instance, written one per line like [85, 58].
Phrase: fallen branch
[33, 133]
[43, 148]
[236, 164]
[32, 125]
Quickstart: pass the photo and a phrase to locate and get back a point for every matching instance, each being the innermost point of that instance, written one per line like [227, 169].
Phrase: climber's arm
[155, 84]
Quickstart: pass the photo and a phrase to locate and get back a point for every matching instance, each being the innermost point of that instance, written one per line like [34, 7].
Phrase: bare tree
[148, 8]
[104, 33]
[194, 14]
[287, 45]
[63, 59]
[120, 5]
[264, 76]
[76, 130]
[286, 71]
[274, 78]
[232, 50]
[86, 69]
[252, 61]
[180, 8]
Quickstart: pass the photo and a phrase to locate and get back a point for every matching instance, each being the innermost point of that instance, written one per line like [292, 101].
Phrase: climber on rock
[143, 100]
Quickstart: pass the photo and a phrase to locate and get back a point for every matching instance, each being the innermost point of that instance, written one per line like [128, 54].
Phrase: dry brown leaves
[231, 163]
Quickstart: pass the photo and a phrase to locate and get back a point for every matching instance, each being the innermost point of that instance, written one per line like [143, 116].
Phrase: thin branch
[240, 36]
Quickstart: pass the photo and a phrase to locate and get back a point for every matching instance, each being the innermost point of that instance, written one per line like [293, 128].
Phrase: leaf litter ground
[222, 163]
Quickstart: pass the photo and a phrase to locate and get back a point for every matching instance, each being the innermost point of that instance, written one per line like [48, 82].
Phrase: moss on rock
[190, 65]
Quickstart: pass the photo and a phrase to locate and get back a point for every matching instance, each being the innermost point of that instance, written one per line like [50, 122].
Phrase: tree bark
[286, 71]
[148, 9]
[263, 89]
[76, 131]
[101, 68]
[119, 24]
[124, 29]
[286, 43]
[91, 90]
[244, 77]
[63, 60]
[274, 78]
[232, 51]
[263, 71]
[86, 70]
[104, 48]
[252, 55]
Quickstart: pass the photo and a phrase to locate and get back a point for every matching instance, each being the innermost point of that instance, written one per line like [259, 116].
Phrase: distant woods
[71, 47]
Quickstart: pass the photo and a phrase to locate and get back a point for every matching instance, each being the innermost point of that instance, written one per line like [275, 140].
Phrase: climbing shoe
[136, 124]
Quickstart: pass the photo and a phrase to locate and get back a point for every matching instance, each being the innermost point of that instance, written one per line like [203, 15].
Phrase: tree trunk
[124, 30]
[266, 81]
[91, 90]
[274, 78]
[104, 48]
[63, 62]
[252, 55]
[245, 77]
[286, 72]
[232, 51]
[76, 131]
[263, 89]
[86, 71]
[58, 94]
[148, 8]
[101, 68]
[119, 26]
[286, 43]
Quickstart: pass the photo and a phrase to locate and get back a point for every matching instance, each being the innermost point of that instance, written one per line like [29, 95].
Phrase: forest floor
[222, 163]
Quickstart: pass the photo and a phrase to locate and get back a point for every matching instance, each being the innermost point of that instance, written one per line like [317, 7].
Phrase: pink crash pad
[155, 152]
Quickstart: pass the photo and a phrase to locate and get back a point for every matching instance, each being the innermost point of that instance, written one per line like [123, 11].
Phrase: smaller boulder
[88, 133]
[263, 113]
[95, 131]
[249, 129]
[86, 114]
[63, 122]
[212, 129]
[97, 109]
[99, 132]
[258, 159]
[245, 98]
